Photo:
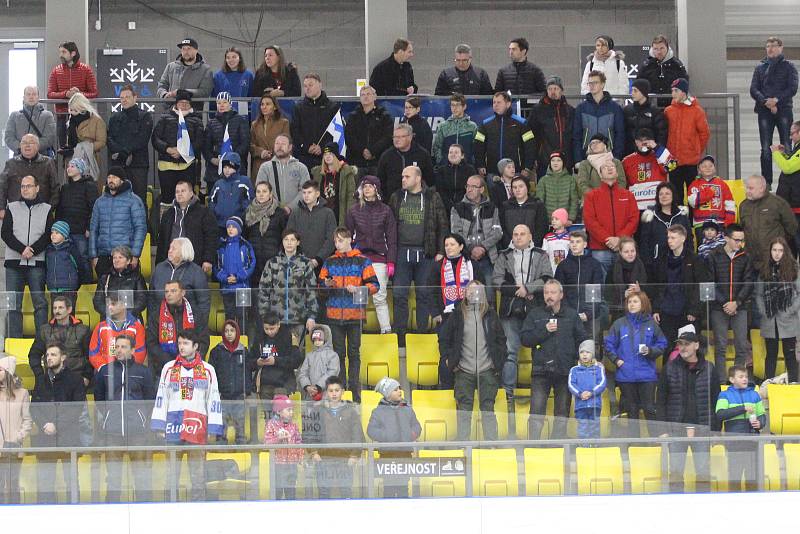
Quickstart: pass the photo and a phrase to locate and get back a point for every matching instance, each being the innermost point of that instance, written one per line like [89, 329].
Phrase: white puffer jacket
[616, 78]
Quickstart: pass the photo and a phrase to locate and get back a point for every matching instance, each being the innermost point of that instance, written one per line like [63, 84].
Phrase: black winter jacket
[643, 116]
[309, 121]
[451, 182]
[291, 86]
[673, 393]
[238, 130]
[287, 359]
[574, 272]
[653, 232]
[523, 78]
[436, 222]
[551, 124]
[233, 375]
[473, 81]
[694, 273]
[392, 163]
[129, 133]
[116, 281]
[372, 131]
[555, 352]
[451, 337]
[423, 135]
[268, 244]
[58, 399]
[165, 134]
[122, 394]
[738, 289]
[531, 213]
[77, 201]
[661, 74]
[774, 79]
[390, 78]
[198, 224]
[504, 136]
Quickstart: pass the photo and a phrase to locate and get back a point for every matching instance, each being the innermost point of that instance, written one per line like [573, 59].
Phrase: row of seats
[495, 472]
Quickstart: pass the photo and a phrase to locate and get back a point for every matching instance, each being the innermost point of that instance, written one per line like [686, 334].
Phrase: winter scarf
[260, 213]
[167, 334]
[778, 295]
[231, 347]
[453, 288]
[72, 127]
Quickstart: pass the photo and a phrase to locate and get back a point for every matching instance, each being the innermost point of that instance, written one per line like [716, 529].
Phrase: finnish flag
[184, 144]
[336, 129]
[226, 147]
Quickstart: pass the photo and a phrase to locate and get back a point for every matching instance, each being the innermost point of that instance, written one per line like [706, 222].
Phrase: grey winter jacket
[315, 226]
[196, 78]
[788, 320]
[465, 215]
[195, 282]
[533, 262]
[286, 186]
[18, 125]
[319, 364]
[288, 288]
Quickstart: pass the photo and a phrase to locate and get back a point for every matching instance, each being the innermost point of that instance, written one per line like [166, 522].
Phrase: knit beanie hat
[562, 215]
[682, 84]
[503, 163]
[586, 346]
[224, 95]
[599, 137]
[555, 80]
[79, 164]
[9, 363]
[280, 403]
[62, 227]
[386, 385]
[118, 171]
[558, 154]
[373, 181]
[236, 222]
[642, 85]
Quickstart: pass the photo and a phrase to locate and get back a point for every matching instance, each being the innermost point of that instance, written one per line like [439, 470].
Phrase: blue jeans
[512, 326]
[82, 244]
[767, 122]
[16, 280]
[412, 266]
[606, 259]
[588, 423]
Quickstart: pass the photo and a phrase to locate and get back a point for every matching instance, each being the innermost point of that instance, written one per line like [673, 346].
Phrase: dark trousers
[767, 122]
[588, 423]
[677, 463]
[789, 357]
[138, 178]
[412, 266]
[168, 179]
[140, 469]
[681, 177]
[541, 384]
[486, 383]
[16, 280]
[638, 396]
[10, 465]
[347, 342]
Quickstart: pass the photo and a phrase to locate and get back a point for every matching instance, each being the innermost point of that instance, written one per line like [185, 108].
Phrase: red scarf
[235, 344]
[454, 282]
[167, 334]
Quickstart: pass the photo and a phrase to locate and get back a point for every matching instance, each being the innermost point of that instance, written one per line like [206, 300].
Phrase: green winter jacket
[558, 190]
[461, 131]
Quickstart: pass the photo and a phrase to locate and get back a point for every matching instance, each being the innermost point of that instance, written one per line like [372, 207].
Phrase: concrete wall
[329, 36]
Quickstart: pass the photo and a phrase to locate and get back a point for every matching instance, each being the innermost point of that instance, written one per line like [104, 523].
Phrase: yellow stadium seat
[213, 341]
[522, 408]
[263, 475]
[19, 347]
[84, 308]
[27, 479]
[784, 409]
[444, 486]
[28, 324]
[791, 453]
[599, 470]
[494, 473]
[422, 359]
[645, 464]
[231, 488]
[380, 357]
[146, 259]
[524, 366]
[737, 190]
[544, 471]
[216, 317]
[772, 468]
[149, 198]
[500, 412]
[436, 412]
[369, 401]
[719, 468]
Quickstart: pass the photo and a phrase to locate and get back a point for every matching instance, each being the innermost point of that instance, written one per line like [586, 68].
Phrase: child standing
[712, 238]
[320, 364]
[236, 262]
[334, 421]
[587, 381]
[229, 359]
[66, 269]
[556, 243]
[393, 421]
[232, 193]
[281, 429]
[740, 410]
[76, 202]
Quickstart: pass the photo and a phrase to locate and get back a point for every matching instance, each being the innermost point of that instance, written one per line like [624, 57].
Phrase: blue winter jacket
[117, 220]
[65, 270]
[774, 78]
[235, 256]
[587, 378]
[605, 118]
[622, 343]
[230, 196]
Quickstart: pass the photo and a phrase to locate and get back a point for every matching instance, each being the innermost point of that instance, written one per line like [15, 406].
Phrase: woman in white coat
[610, 62]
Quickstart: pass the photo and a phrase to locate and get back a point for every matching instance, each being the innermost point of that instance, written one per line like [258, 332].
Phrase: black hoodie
[77, 200]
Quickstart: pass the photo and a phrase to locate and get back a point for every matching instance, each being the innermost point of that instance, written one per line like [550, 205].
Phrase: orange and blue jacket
[346, 269]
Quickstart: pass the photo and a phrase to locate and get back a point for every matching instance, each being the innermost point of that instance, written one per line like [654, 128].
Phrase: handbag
[50, 152]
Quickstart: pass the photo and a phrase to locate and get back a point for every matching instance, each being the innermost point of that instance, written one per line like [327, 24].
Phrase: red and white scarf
[167, 333]
[453, 288]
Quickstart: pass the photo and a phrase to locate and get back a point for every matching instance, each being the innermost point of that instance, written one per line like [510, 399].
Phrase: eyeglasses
[27, 186]
[474, 186]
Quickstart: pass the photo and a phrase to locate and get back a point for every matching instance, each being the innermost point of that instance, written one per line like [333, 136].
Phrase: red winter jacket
[609, 211]
[64, 78]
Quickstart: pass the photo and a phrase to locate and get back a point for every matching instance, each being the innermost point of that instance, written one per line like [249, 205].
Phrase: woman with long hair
[234, 78]
[657, 219]
[264, 225]
[15, 425]
[633, 343]
[451, 275]
[777, 294]
[473, 348]
[84, 124]
[276, 77]
[269, 124]
[627, 275]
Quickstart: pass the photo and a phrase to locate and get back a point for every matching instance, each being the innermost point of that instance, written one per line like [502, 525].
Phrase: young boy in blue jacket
[740, 410]
[587, 381]
[232, 193]
[236, 261]
[66, 268]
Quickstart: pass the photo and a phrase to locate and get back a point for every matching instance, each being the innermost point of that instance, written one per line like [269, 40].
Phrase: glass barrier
[435, 408]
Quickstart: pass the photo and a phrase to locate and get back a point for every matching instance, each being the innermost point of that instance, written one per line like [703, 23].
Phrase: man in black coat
[550, 120]
[311, 118]
[405, 153]
[463, 78]
[661, 68]
[368, 132]
[394, 76]
[640, 114]
[129, 131]
[58, 405]
[554, 332]
[521, 77]
[189, 218]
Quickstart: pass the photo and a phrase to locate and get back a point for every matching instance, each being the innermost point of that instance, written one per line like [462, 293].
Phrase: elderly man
[464, 77]
[764, 217]
[31, 119]
[403, 154]
[28, 162]
[519, 273]
[368, 132]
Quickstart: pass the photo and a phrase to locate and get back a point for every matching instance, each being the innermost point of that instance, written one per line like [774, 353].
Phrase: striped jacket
[731, 411]
[344, 269]
[102, 345]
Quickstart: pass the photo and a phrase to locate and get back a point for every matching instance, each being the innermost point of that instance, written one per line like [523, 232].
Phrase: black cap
[118, 171]
[707, 157]
[711, 224]
[188, 41]
[642, 85]
[183, 94]
[599, 137]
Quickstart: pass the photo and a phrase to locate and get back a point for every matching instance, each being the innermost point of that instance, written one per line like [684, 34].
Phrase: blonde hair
[484, 305]
[80, 103]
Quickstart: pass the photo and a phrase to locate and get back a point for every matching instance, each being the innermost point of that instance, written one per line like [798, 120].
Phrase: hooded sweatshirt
[230, 362]
[286, 179]
[319, 364]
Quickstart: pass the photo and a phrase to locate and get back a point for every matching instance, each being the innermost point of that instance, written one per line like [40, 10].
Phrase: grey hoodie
[18, 125]
[287, 184]
[319, 364]
[196, 78]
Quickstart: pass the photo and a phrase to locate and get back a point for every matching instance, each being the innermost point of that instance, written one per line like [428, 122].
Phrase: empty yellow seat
[772, 468]
[380, 357]
[422, 359]
[231, 488]
[599, 470]
[445, 486]
[645, 464]
[791, 453]
[146, 260]
[19, 347]
[784, 409]
[263, 475]
[369, 401]
[494, 473]
[436, 412]
[544, 471]
[524, 366]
